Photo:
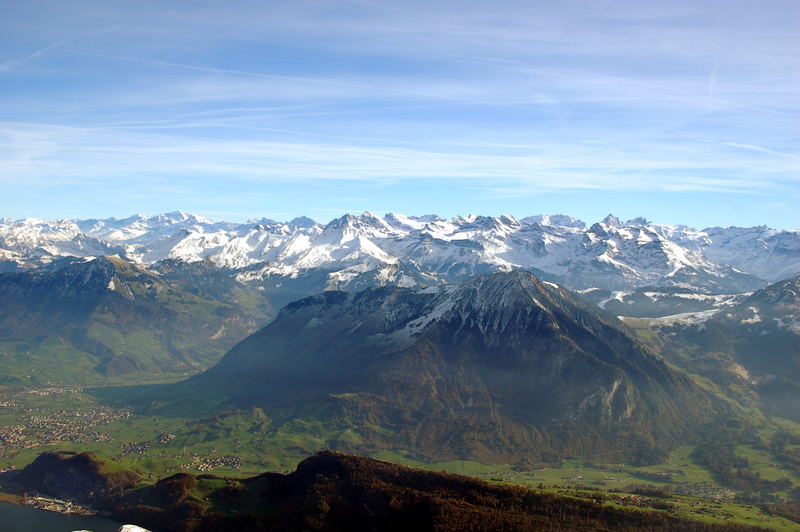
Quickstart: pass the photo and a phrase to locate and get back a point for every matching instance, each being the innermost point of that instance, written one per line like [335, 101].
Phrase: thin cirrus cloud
[518, 97]
[46, 152]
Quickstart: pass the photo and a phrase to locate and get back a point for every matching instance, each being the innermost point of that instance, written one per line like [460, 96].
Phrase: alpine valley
[624, 364]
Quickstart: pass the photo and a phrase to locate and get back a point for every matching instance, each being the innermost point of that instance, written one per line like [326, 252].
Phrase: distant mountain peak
[608, 255]
[552, 220]
[303, 221]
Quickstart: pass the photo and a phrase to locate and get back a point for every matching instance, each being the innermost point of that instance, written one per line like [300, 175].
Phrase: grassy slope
[156, 329]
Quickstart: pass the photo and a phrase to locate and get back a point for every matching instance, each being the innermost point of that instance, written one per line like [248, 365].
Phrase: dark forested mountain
[336, 492]
[763, 331]
[497, 367]
[755, 343]
[83, 320]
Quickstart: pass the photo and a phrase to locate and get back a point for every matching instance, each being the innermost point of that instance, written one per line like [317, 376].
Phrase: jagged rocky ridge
[354, 251]
[495, 368]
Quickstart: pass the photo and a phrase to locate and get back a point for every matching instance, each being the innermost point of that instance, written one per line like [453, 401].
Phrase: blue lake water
[15, 518]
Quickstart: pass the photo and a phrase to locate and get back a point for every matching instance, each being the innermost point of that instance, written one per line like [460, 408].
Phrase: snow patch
[685, 317]
[416, 326]
[756, 318]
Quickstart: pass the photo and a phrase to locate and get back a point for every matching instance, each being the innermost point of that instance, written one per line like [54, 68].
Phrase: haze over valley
[514, 346]
[344, 265]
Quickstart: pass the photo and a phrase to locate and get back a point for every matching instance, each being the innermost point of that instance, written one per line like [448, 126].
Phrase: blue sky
[679, 111]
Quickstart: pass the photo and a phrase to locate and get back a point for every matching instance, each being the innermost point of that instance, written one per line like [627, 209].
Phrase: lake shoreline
[12, 498]
[17, 517]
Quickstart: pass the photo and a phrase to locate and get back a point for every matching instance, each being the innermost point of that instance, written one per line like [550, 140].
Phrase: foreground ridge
[332, 491]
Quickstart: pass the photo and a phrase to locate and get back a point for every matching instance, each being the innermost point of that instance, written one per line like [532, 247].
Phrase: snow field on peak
[610, 254]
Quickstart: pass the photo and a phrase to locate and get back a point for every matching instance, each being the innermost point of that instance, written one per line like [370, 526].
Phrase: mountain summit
[497, 367]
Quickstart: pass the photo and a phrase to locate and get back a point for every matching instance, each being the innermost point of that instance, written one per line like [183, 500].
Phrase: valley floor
[244, 444]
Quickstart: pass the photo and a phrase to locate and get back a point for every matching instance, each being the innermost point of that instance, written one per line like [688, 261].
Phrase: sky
[679, 111]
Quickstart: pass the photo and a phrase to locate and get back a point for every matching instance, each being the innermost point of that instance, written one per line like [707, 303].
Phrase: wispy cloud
[6, 65]
[11, 63]
[756, 148]
[45, 153]
[513, 97]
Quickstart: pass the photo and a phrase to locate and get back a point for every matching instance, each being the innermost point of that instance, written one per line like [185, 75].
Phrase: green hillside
[110, 320]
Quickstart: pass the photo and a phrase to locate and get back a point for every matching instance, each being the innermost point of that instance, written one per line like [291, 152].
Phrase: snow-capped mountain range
[413, 250]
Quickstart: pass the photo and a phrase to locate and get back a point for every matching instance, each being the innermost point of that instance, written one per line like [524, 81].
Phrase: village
[35, 427]
[206, 463]
[705, 490]
[197, 462]
[51, 504]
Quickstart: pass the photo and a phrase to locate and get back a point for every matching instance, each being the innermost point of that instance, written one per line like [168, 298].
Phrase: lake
[15, 518]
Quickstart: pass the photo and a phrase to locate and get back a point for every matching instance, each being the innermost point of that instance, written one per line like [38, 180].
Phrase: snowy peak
[611, 221]
[501, 305]
[501, 290]
[303, 221]
[609, 254]
[367, 225]
[768, 253]
[262, 222]
[554, 220]
[410, 223]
